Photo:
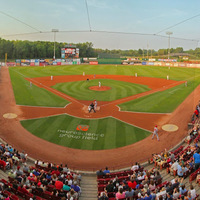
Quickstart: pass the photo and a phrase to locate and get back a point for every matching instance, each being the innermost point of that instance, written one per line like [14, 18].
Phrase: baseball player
[92, 107]
[155, 132]
[99, 84]
[95, 104]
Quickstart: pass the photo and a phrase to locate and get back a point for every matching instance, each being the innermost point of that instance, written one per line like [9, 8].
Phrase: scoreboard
[69, 52]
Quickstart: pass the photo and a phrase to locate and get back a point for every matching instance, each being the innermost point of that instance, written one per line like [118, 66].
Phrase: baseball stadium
[86, 116]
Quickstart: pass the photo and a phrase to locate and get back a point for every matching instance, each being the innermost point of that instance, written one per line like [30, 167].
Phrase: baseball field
[57, 110]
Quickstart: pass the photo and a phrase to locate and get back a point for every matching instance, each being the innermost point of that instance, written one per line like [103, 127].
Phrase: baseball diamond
[43, 110]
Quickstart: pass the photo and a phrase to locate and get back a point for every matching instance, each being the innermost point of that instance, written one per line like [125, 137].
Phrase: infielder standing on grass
[99, 84]
[155, 132]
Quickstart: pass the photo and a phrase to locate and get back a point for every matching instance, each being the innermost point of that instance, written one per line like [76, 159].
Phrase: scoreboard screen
[69, 53]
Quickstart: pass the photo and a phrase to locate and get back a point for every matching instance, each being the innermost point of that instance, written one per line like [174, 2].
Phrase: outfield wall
[171, 64]
[44, 62]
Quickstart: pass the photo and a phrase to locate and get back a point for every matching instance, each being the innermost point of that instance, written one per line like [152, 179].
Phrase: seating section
[141, 183]
[41, 181]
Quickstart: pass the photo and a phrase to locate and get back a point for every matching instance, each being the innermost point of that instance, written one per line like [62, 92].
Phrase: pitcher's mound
[102, 88]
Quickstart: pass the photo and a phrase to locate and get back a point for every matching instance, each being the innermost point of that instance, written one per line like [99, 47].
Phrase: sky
[114, 24]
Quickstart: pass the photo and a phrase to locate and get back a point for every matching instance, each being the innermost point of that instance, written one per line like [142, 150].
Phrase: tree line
[41, 49]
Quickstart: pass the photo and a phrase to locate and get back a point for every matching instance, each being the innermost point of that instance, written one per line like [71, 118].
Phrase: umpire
[92, 107]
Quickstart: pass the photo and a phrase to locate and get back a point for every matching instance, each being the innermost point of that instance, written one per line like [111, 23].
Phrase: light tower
[54, 31]
[169, 33]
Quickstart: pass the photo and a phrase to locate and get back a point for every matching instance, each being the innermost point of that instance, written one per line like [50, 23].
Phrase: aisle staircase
[88, 187]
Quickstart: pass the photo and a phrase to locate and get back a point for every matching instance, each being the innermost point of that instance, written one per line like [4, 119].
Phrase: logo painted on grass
[82, 127]
[79, 135]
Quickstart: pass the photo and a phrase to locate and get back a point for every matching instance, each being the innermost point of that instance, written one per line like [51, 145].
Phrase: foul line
[44, 106]
[141, 94]
[142, 112]
[50, 89]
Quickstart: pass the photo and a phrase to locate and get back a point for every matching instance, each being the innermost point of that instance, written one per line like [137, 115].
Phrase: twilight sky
[110, 20]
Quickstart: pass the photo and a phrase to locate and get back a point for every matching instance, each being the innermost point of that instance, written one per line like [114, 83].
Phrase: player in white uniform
[95, 104]
[155, 132]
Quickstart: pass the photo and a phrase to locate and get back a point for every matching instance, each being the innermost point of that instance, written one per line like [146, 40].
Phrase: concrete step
[88, 182]
[88, 191]
[89, 195]
[88, 198]
[89, 187]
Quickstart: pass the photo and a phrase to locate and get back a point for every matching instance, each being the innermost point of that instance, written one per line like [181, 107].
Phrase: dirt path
[12, 131]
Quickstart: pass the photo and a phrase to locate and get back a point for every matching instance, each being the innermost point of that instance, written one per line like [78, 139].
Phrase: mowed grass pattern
[43, 98]
[33, 95]
[108, 133]
[159, 102]
[119, 89]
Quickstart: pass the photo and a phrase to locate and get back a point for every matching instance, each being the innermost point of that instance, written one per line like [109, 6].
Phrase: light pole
[169, 33]
[54, 30]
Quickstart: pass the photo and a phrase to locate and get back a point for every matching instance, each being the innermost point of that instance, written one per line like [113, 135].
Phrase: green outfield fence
[109, 61]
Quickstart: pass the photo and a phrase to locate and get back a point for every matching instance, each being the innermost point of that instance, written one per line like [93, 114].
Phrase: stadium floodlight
[169, 33]
[54, 31]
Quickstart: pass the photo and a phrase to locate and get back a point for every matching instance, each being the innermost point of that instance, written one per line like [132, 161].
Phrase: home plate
[170, 127]
[10, 115]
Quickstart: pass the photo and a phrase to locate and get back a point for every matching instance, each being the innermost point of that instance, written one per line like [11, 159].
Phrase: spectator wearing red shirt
[55, 172]
[132, 183]
[3, 163]
[69, 176]
[58, 185]
[196, 112]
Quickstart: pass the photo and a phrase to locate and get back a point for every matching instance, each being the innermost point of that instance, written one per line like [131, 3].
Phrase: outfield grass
[159, 102]
[107, 133]
[33, 96]
[41, 97]
[119, 89]
[175, 73]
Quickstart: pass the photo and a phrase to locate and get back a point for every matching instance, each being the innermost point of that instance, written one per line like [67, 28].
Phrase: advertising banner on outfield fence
[152, 59]
[69, 61]
[11, 64]
[93, 62]
[158, 63]
[18, 62]
[58, 61]
[182, 64]
[78, 61]
[175, 64]
[54, 62]
[150, 63]
[37, 62]
[25, 62]
[144, 63]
